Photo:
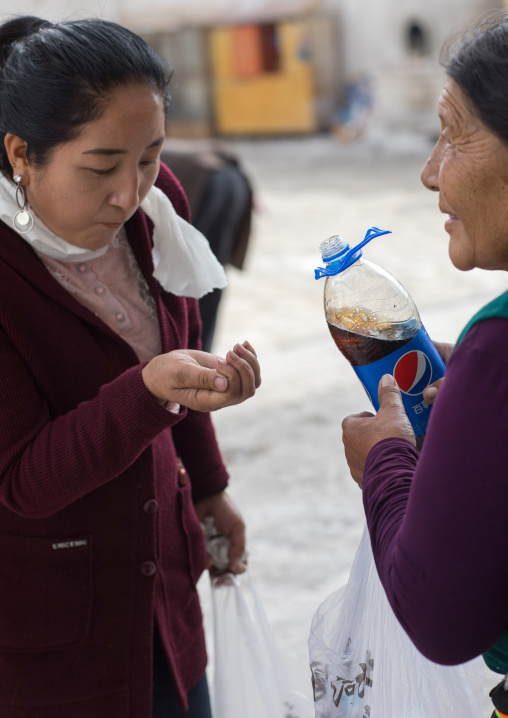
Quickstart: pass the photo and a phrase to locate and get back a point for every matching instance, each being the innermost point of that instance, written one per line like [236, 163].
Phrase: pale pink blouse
[114, 289]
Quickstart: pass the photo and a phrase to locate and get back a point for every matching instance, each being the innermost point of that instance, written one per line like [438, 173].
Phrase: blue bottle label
[414, 366]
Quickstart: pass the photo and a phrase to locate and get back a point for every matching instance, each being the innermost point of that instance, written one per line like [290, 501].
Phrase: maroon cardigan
[96, 534]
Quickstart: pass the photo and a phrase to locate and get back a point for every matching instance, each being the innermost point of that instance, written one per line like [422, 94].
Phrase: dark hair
[56, 78]
[477, 60]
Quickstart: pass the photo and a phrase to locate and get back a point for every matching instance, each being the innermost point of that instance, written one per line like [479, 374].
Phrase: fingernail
[234, 356]
[239, 349]
[220, 383]
[387, 380]
[221, 362]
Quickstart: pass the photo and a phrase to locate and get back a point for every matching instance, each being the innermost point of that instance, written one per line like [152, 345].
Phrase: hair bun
[17, 29]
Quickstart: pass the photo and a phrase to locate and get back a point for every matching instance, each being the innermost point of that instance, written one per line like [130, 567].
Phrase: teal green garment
[497, 308]
[496, 657]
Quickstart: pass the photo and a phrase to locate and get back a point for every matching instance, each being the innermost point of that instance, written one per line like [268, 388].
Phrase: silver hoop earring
[23, 220]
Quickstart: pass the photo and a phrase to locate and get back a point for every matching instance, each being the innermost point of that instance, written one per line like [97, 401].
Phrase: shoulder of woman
[488, 336]
[168, 183]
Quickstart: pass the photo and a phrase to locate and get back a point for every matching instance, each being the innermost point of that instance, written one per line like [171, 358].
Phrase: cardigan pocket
[45, 592]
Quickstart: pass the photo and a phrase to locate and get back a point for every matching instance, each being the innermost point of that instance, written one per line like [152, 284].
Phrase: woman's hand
[430, 393]
[229, 523]
[360, 432]
[201, 381]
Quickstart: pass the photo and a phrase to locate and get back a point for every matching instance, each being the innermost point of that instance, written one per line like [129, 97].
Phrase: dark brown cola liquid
[360, 350]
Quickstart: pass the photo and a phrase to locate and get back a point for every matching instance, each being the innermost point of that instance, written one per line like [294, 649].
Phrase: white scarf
[184, 264]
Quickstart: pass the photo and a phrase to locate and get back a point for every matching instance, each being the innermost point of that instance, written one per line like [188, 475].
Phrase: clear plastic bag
[365, 666]
[250, 677]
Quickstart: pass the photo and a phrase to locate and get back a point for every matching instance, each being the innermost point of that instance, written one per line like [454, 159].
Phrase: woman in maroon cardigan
[102, 387]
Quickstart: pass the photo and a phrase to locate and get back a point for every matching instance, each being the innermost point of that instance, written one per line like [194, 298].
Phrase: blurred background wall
[265, 67]
[278, 67]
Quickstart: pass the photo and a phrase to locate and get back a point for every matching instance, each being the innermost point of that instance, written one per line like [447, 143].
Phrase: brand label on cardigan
[75, 543]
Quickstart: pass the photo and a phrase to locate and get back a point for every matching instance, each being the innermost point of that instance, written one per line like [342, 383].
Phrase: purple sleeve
[438, 521]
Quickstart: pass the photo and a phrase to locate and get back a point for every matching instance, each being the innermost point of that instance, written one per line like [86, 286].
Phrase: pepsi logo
[413, 372]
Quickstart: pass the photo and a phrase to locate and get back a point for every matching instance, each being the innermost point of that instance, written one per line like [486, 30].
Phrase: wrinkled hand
[201, 381]
[430, 392]
[360, 432]
[229, 523]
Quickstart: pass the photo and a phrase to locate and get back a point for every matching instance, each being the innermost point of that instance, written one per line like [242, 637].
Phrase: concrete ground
[283, 448]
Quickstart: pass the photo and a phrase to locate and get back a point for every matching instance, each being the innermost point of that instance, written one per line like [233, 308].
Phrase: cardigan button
[183, 477]
[150, 506]
[148, 568]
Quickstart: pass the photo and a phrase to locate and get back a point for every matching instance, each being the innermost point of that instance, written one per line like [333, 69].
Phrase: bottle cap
[338, 255]
[333, 247]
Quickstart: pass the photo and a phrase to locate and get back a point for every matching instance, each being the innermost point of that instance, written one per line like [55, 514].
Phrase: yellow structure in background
[251, 98]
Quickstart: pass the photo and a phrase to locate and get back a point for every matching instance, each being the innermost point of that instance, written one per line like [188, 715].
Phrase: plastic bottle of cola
[376, 325]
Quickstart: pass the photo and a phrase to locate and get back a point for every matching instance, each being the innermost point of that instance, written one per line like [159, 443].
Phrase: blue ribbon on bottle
[342, 261]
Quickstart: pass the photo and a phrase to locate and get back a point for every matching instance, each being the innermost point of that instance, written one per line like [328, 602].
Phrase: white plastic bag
[365, 666]
[250, 679]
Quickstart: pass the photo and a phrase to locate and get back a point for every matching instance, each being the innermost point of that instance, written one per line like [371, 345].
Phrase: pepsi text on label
[414, 366]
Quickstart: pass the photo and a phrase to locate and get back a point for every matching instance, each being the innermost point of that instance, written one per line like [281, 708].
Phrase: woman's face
[94, 183]
[469, 169]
